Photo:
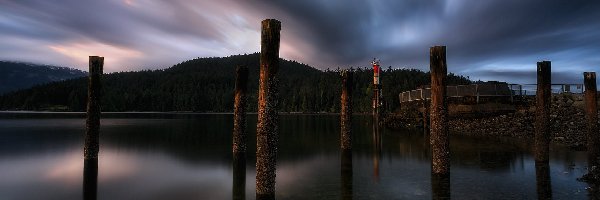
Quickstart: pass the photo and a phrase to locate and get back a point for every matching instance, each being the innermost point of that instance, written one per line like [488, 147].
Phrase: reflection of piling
[542, 177]
[346, 174]
[346, 110]
[239, 110]
[439, 140]
[376, 151]
[239, 176]
[267, 130]
[440, 186]
[90, 178]
[93, 107]
[542, 112]
[591, 107]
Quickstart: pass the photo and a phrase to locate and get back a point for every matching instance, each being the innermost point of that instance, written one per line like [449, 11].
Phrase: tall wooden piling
[591, 110]
[267, 127]
[346, 110]
[542, 112]
[239, 110]
[239, 133]
[439, 138]
[92, 122]
[92, 125]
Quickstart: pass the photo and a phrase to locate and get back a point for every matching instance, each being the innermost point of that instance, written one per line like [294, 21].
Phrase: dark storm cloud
[486, 39]
[482, 36]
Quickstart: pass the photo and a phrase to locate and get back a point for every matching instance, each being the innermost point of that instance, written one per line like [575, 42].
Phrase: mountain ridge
[15, 75]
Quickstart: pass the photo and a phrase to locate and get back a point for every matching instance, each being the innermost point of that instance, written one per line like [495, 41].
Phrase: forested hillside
[207, 84]
[15, 75]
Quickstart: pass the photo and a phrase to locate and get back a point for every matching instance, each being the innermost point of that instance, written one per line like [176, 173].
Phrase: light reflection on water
[188, 157]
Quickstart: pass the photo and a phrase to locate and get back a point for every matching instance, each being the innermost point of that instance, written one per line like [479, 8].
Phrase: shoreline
[568, 125]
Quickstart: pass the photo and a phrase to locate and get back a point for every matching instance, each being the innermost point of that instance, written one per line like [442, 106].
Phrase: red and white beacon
[377, 91]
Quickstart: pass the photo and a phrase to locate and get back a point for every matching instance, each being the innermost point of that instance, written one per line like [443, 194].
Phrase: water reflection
[542, 177]
[376, 149]
[440, 186]
[189, 157]
[90, 178]
[239, 176]
[346, 175]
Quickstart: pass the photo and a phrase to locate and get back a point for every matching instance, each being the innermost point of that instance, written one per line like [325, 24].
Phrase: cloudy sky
[487, 40]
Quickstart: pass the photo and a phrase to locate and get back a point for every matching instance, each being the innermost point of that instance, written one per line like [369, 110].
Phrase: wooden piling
[346, 110]
[542, 112]
[267, 127]
[591, 110]
[439, 138]
[239, 110]
[91, 145]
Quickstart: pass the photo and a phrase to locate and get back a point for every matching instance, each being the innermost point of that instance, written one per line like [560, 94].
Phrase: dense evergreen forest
[16, 75]
[207, 84]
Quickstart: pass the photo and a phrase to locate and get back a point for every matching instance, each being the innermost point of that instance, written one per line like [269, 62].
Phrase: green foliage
[207, 84]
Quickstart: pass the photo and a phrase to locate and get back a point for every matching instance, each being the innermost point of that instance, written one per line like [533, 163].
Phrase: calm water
[187, 156]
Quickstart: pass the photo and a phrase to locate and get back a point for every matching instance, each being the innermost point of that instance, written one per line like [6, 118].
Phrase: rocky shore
[567, 119]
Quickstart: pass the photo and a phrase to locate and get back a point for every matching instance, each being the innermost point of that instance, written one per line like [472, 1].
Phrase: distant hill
[15, 75]
[207, 84]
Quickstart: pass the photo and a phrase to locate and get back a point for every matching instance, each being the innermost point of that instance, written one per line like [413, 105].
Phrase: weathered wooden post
[93, 107]
[239, 111]
[346, 169]
[92, 124]
[542, 112]
[591, 110]
[346, 133]
[346, 110]
[267, 127]
[239, 134]
[439, 138]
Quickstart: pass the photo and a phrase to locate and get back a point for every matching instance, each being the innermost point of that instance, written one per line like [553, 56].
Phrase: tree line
[207, 85]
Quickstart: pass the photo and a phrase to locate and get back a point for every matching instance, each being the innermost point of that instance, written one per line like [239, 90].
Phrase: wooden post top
[271, 24]
[589, 75]
[96, 64]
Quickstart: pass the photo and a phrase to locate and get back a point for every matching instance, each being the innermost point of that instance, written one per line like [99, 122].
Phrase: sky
[486, 40]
